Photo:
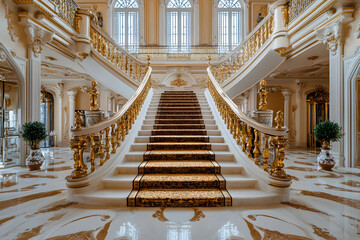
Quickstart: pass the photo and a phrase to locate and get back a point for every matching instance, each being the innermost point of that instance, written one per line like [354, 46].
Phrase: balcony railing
[296, 7]
[103, 44]
[245, 51]
[66, 9]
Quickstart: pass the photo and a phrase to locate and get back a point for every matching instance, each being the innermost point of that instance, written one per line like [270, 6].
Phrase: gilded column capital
[37, 36]
[331, 34]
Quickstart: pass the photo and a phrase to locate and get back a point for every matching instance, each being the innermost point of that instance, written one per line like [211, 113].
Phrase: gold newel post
[94, 92]
[263, 92]
[280, 144]
[79, 144]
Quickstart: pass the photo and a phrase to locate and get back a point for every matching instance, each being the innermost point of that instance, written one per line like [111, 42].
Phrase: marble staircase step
[219, 157]
[211, 139]
[144, 146]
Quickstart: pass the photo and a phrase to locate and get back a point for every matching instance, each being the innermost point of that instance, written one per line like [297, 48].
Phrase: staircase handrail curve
[254, 42]
[243, 42]
[255, 138]
[128, 65]
[105, 137]
[248, 120]
[112, 41]
[103, 124]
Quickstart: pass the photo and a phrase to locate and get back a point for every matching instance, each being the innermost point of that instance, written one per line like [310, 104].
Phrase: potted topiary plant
[327, 132]
[33, 133]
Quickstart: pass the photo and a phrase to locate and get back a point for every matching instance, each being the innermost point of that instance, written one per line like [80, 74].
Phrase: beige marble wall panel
[206, 12]
[152, 8]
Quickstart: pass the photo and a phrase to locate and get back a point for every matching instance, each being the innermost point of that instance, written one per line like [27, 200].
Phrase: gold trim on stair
[179, 168]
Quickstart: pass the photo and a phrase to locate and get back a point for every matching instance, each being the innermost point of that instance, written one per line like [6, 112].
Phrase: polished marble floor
[323, 205]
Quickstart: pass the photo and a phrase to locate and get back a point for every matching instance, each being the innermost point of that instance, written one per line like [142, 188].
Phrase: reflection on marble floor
[323, 205]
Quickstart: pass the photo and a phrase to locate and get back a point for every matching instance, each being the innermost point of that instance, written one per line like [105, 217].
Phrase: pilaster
[37, 37]
[331, 35]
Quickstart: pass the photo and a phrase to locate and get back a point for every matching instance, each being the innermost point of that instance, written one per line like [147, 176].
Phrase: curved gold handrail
[237, 58]
[103, 44]
[105, 137]
[255, 138]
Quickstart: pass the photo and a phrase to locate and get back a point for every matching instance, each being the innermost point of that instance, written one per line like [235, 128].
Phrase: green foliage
[33, 131]
[328, 131]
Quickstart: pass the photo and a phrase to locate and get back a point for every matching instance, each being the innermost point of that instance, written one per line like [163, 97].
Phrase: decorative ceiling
[55, 72]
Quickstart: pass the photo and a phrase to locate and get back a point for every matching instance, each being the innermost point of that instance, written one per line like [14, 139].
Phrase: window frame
[131, 48]
[179, 48]
[230, 11]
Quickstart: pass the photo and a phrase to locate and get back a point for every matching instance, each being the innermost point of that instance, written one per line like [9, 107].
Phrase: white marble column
[252, 99]
[299, 126]
[331, 35]
[286, 95]
[33, 86]
[113, 101]
[336, 95]
[71, 95]
[37, 37]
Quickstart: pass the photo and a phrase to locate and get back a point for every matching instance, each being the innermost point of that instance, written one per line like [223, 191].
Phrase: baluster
[92, 153]
[79, 144]
[131, 67]
[107, 143]
[277, 170]
[127, 123]
[249, 142]
[126, 64]
[101, 147]
[118, 132]
[243, 140]
[266, 153]
[113, 139]
[122, 61]
[123, 127]
[256, 147]
[238, 132]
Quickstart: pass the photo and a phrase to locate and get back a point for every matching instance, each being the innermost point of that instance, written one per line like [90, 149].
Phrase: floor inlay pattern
[32, 210]
[179, 168]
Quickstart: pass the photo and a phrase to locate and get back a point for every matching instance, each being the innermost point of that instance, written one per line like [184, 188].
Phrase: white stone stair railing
[254, 138]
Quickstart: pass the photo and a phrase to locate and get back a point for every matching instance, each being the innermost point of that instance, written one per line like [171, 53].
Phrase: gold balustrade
[116, 55]
[246, 50]
[105, 137]
[257, 141]
[296, 7]
[66, 9]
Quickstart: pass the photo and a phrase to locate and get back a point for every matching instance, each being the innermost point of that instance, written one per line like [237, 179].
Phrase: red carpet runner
[179, 168]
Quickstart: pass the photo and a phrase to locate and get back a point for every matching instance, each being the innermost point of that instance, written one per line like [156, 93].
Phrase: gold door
[317, 111]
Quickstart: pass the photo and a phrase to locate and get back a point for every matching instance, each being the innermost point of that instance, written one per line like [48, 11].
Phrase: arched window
[126, 24]
[178, 25]
[229, 24]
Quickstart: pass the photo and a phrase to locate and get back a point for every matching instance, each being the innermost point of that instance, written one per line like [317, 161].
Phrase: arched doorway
[47, 117]
[317, 111]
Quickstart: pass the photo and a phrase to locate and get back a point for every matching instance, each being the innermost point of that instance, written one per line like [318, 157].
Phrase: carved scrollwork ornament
[2, 55]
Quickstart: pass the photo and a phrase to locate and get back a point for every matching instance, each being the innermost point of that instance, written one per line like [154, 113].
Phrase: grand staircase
[179, 159]
[179, 168]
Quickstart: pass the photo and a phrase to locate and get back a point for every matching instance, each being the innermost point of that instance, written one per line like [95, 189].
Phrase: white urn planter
[36, 157]
[325, 159]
